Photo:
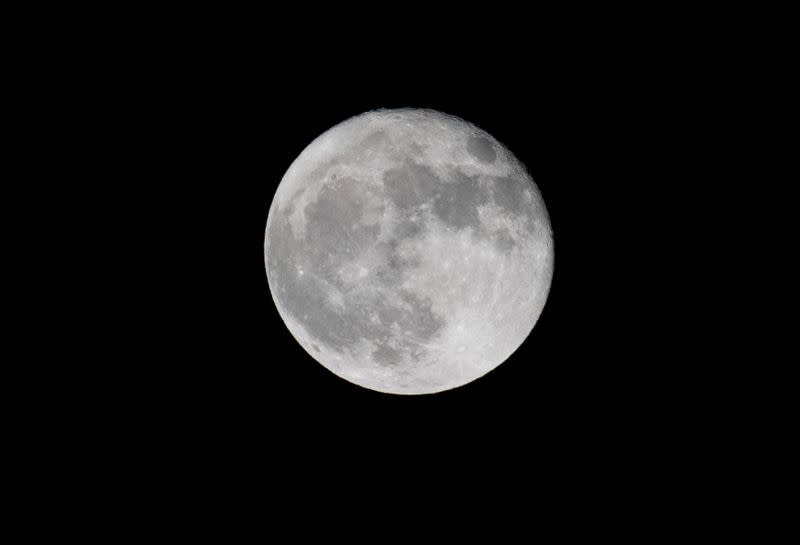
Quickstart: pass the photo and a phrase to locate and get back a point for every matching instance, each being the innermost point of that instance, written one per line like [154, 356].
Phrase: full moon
[408, 251]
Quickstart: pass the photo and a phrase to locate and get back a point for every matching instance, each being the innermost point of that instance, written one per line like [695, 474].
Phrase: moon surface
[408, 251]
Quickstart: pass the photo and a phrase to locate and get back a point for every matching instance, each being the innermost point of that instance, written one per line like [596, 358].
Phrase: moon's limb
[408, 251]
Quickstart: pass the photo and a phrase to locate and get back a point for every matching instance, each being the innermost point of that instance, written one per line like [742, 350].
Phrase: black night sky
[226, 119]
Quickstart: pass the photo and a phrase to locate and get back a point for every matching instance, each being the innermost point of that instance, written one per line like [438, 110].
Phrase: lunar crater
[482, 149]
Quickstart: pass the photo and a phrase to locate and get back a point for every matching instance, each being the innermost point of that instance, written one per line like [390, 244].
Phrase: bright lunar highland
[408, 251]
